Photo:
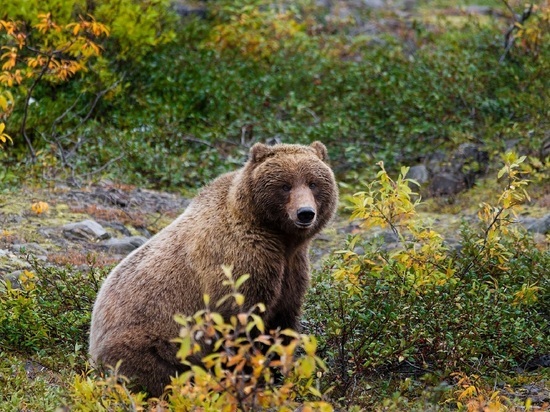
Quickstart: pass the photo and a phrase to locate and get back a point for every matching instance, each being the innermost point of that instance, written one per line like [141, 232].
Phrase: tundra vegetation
[167, 95]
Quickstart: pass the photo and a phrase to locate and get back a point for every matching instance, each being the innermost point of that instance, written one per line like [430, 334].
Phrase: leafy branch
[519, 20]
[48, 52]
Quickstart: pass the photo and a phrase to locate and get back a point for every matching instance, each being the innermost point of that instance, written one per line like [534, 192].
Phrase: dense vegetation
[134, 92]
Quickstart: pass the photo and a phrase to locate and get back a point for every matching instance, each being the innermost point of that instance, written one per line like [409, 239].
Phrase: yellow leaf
[310, 344]
[468, 392]
[217, 318]
[241, 280]
[258, 322]
[315, 392]
[185, 347]
[307, 367]
[239, 299]
[40, 207]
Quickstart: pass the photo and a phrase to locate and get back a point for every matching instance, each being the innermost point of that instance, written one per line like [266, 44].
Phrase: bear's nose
[306, 215]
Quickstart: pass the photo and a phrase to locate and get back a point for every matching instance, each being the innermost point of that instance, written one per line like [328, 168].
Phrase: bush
[50, 313]
[233, 365]
[422, 309]
[60, 66]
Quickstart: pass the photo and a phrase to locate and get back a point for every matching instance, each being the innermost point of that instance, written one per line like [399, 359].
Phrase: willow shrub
[424, 309]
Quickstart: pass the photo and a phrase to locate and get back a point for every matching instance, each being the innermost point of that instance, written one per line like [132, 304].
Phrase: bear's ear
[258, 152]
[321, 150]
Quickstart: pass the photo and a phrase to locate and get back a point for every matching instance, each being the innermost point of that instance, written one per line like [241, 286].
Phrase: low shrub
[233, 365]
[423, 310]
[48, 314]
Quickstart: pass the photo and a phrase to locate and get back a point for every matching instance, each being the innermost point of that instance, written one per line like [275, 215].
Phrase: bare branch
[510, 9]
[98, 96]
[199, 141]
[23, 129]
[509, 38]
[64, 114]
[106, 165]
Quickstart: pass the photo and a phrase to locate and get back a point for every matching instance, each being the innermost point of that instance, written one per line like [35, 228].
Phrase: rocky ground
[65, 225]
[106, 221]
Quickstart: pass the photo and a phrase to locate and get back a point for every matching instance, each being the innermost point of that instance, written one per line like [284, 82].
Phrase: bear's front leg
[287, 310]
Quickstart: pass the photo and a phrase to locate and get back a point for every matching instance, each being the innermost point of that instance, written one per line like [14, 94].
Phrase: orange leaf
[40, 207]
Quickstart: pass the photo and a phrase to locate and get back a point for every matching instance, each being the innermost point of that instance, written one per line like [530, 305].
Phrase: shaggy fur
[260, 219]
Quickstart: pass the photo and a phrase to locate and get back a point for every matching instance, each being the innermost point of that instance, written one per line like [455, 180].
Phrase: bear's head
[291, 187]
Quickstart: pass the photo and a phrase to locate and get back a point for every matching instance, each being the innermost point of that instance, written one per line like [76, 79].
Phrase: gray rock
[374, 4]
[389, 236]
[511, 144]
[534, 225]
[118, 227]
[470, 160]
[446, 184]
[9, 262]
[360, 250]
[123, 245]
[11, 218]
[458, 171]
[112, 196]
[418, 173]
[85, 230]
[14, 279]
[453, 245]
[186, 9]
[476, 9]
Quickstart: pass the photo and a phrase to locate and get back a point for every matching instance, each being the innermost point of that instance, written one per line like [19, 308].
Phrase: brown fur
[249, 219]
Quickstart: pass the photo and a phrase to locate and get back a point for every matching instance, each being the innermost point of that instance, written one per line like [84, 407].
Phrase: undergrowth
[194, 96]
[426, 317]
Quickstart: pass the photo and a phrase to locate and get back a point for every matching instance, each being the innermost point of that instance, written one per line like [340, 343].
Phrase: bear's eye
[286, 188]
[312, 186]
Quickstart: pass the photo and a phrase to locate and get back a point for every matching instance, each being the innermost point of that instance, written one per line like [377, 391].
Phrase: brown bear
[260, 219]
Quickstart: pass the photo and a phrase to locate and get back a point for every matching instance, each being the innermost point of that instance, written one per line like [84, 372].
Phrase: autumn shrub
[28, 385]
[62, 65]
[3, 136]
[421, 309]
[233, 364]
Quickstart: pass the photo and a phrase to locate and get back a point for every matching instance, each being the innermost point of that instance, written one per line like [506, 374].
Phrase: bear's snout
[305, 215]
[302, 207]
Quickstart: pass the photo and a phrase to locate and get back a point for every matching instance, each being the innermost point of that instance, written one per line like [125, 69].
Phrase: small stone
[14, 279]
[359, 250]
[534, 225]
[418, 173]
[389, 236]
[374, 4]
[32, 248]
[445, 184]
[124, 245]
[85, 230]
[118, 227]
[475, 9]
[9, 261]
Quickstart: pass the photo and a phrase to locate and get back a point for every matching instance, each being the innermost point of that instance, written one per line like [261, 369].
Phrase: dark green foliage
[50, 313]
[400, 98]
[176, 120]
[475, 323]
